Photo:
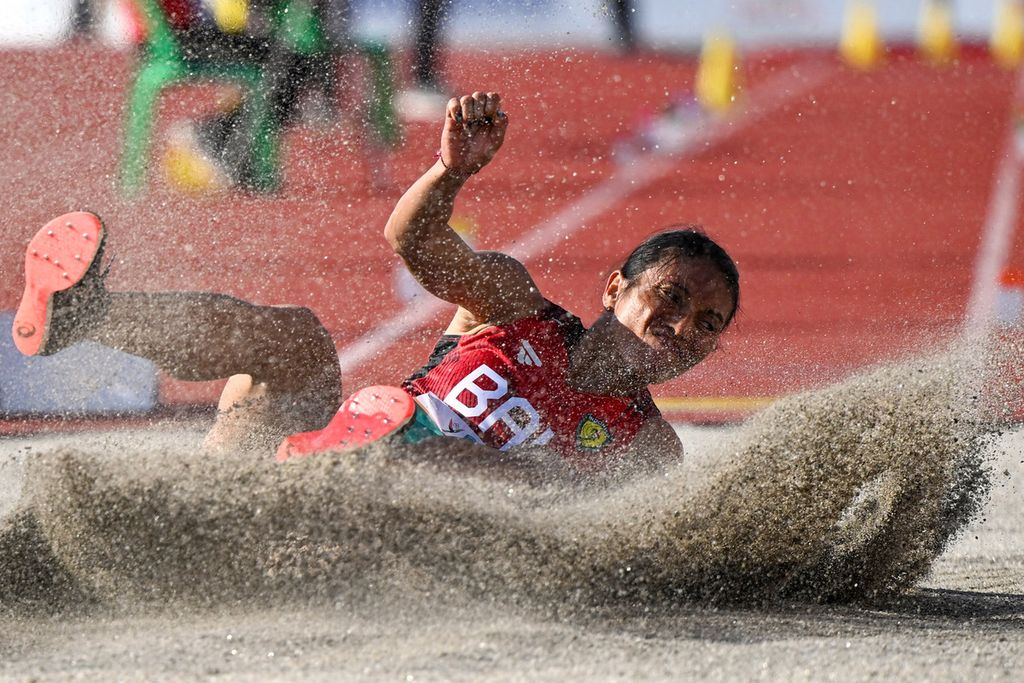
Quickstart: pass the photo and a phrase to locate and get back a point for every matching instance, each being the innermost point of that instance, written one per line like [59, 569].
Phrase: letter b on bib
[481, 395]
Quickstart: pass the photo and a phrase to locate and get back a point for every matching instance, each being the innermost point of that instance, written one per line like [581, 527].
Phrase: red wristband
[449, 168]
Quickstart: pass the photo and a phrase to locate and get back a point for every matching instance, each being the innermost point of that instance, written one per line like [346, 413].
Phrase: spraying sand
[844, 494]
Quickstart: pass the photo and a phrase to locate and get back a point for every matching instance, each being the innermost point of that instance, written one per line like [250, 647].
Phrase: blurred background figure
[622, 15]
[288, 40]
[426, 96]
[83, 17]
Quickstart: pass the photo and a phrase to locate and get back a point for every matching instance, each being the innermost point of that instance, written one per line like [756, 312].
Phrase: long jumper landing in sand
[828, 495]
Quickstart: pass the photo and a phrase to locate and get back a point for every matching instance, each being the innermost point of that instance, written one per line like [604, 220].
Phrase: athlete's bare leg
[282, 363]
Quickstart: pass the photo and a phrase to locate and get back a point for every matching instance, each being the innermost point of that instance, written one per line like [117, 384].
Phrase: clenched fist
[474, 128]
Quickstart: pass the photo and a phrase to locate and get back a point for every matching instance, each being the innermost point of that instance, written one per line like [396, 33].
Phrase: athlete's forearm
[484, 284]
[420, 219]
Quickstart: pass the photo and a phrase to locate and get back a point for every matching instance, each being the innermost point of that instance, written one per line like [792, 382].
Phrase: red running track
[855, 212]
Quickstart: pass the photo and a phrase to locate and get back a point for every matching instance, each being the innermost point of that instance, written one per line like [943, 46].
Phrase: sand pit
[793, 547]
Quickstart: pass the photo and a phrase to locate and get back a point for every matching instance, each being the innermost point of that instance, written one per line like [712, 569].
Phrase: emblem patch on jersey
[591, 433]
[527, 356]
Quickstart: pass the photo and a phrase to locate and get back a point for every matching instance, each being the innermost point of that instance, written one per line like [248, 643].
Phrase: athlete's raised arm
[492, 287]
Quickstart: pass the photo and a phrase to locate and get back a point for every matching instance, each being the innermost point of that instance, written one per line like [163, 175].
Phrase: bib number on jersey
[521, 419]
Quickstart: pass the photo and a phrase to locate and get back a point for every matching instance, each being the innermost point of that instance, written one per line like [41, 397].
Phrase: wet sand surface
[543, 590]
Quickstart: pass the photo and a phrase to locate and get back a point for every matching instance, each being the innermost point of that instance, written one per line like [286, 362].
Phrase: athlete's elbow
[393, 235]
[405, 236]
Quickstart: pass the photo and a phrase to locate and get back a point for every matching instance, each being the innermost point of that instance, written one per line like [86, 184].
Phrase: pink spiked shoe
[64, 289]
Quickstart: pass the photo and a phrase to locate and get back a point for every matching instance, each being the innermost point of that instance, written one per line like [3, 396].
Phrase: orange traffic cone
[718, 75]
[935, 34]
[861, 44]
[1007, 39]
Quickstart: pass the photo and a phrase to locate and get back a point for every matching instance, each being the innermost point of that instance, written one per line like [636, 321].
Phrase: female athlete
[512, 369]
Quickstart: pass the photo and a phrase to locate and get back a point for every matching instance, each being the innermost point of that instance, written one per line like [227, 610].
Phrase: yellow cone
[1007, 41]
[936, 38]
[860, 44]
[718, 78]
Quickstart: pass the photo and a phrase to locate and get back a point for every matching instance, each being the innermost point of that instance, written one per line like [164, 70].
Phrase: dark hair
[678, 241]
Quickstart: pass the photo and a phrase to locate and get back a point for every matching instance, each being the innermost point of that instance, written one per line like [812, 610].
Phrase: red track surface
[855, 214]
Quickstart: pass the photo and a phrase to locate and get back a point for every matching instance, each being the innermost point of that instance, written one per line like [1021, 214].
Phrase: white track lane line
[997, 231]
[765, 99]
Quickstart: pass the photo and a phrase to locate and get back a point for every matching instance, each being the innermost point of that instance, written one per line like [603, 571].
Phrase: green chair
[163, 64]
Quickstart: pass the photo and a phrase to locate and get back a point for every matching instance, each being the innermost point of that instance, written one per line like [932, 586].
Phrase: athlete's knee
[298, 319]
[312, 361]
[238, 390]
[313, 336]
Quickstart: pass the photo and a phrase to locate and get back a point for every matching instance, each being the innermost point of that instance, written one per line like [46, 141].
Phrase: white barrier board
[84, 379]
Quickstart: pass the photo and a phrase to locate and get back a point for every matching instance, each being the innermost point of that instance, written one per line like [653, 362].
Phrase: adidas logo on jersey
[527, 356]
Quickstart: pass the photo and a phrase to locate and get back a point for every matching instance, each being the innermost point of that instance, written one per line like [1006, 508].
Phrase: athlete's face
[675, 311]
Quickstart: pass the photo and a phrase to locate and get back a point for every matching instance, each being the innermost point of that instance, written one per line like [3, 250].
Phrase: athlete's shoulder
[517, 294]
[569, 326]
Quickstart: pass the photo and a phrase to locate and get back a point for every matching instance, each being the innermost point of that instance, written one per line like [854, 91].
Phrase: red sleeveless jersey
[505, 386]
